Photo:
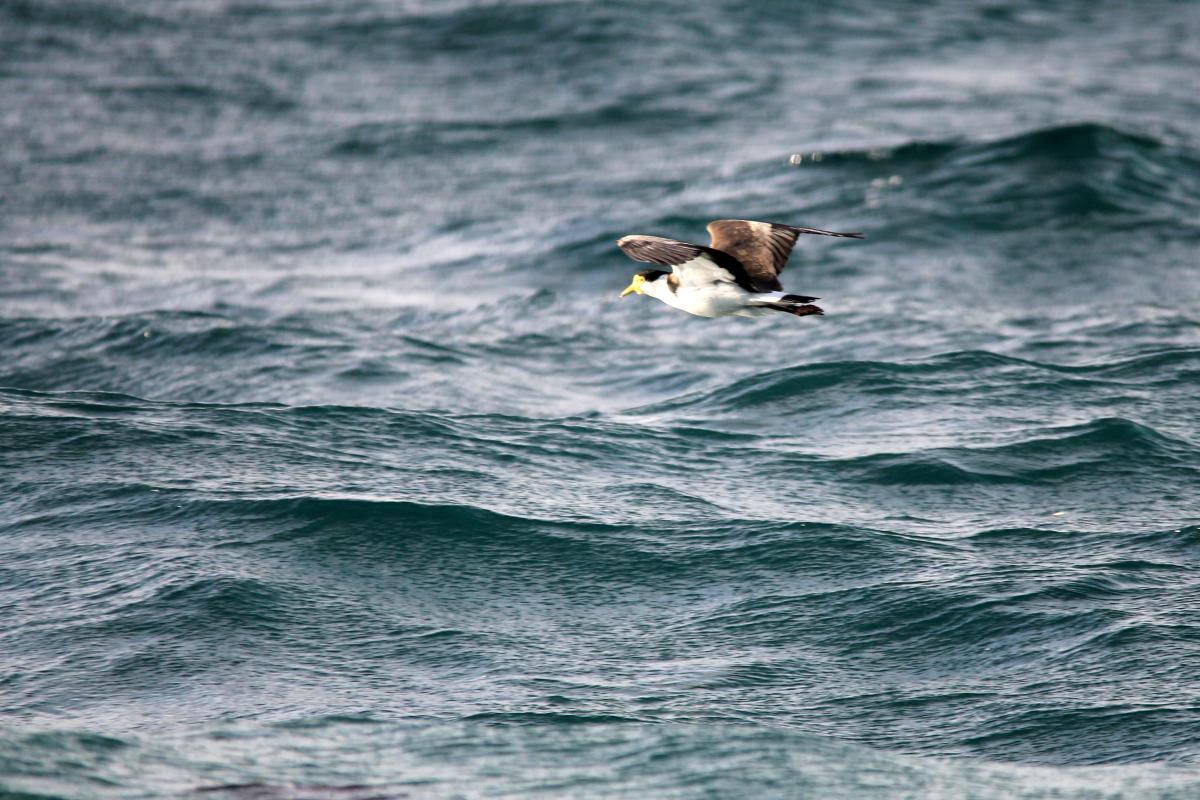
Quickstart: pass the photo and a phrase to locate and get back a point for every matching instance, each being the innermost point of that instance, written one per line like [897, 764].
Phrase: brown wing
[657, 250]
[762, 247]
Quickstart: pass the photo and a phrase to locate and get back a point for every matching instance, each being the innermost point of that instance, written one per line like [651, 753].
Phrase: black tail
[797, 298]
[799, 311]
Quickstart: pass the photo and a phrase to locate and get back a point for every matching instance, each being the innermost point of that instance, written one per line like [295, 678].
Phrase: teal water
[331, 466]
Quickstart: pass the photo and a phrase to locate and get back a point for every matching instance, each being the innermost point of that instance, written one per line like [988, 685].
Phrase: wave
[83, 14]
[444, 544]
[1078, 141]
[246, 93]
[1051, 179]
[1119, 446]
[554, 553]
[445, 759]
[940, 375]
[240, 573]
[827, 397]
[199, 356]
[549, 33]
[647, 115]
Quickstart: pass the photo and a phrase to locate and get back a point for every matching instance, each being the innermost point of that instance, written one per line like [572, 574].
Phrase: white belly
[719, 300]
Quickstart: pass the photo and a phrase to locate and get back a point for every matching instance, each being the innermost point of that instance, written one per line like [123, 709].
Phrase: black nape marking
[651, 274]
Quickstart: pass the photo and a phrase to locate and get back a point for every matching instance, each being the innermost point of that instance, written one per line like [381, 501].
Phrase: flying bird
[736, 275]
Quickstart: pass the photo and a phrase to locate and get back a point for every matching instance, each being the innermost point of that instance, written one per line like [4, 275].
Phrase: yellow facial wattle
[635, 286]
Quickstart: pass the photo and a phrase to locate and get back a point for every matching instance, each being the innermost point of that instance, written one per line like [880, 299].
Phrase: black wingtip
[822, 231]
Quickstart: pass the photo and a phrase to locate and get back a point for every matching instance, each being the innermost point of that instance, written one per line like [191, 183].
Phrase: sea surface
[333, 468]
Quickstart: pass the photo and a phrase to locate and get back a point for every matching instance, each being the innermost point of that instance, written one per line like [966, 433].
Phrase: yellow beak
[635, 287]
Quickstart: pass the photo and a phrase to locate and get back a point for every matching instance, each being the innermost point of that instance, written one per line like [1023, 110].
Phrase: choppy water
[332, 467]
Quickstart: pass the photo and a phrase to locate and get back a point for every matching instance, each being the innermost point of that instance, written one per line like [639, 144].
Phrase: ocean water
[332, 466]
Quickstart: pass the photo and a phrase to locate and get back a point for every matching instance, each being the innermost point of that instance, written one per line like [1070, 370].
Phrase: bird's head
[646, 282]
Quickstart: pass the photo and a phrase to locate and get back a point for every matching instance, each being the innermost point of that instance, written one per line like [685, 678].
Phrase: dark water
[331, 466]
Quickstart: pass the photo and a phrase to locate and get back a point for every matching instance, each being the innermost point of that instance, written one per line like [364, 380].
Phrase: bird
[736, 275]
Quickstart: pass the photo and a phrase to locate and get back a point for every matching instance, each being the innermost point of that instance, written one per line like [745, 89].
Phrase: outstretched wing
[692, 263]
[762, 247]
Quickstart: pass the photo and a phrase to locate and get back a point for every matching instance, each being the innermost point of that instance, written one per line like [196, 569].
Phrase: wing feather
[692, 263]
[657, 250]
[762, 247]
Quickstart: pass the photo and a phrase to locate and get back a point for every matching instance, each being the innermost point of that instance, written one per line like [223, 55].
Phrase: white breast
[704, 289]
[714, 300]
